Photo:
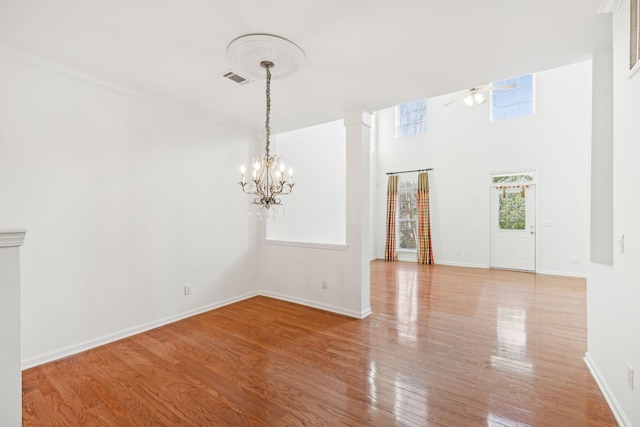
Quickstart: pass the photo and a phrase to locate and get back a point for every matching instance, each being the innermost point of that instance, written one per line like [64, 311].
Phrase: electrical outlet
[324, 284]
[630, 376]
[187, 289]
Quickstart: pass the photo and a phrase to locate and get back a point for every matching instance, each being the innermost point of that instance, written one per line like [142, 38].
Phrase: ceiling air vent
[236, 78]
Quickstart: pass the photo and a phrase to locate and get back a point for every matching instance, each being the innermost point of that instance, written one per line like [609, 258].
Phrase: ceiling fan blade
[502, 87]
[451, 102]
[478, 89]
[461, 95]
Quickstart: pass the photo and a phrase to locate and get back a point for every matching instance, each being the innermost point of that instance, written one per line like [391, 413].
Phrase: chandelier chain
[268, 121]
[269, 182]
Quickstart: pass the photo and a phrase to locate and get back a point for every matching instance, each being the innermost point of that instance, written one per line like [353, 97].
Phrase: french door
[513, 227]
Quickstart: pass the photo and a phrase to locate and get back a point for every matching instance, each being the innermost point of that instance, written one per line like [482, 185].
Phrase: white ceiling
[360, 53]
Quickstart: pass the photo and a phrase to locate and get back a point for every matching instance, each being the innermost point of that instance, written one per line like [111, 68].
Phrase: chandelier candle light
[268, 180]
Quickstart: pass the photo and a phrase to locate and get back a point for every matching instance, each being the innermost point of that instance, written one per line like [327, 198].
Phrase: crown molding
[609, 6]
[12, 237]
[37, 62]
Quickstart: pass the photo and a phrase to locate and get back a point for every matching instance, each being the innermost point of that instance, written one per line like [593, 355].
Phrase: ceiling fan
[476, 95]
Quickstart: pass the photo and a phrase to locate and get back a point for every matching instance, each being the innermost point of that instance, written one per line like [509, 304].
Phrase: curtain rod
[416, 170]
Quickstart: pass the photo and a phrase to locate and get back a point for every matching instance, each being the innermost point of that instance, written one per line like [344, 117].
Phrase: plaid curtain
[425, 252]
[390, 252]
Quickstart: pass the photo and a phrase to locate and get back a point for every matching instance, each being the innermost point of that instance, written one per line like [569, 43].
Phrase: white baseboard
[562, 273]
[87, 345]
[449, 263]
[462, 264]
[93, 343]
[618, 413]
[473, 265]
[314, 304]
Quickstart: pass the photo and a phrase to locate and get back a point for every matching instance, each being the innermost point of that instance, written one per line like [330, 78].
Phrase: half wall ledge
[310, 245]
[10, 237]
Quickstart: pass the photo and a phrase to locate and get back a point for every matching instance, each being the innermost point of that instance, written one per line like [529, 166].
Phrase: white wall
[315, 212]
[613, 293]
[373, 185]
[125, 200]
[464, 147]
[601, 182]
[296, 273]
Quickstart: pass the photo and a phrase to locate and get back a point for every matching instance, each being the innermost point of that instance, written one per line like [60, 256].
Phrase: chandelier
[256, 54]
[267, 181]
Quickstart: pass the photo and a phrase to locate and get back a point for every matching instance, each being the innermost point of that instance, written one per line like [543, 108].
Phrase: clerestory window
[411, 118]
[515, 102]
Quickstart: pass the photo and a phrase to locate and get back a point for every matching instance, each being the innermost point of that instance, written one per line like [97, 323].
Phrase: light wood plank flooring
[444, 346]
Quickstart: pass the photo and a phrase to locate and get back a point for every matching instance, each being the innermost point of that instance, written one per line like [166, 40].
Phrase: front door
[513, 227]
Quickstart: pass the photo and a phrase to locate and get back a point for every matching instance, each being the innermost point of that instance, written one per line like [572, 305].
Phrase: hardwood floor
[444, 346]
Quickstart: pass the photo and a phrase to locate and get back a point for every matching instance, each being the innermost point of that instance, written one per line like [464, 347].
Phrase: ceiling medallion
[250, 50]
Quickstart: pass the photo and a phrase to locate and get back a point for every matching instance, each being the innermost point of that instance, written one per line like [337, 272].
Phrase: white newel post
[10, 360]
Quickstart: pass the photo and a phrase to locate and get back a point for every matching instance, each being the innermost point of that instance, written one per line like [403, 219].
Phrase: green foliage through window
[512, 178]
[512, 214]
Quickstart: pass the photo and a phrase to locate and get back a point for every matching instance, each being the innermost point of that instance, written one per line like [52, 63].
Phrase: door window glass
[512, 212]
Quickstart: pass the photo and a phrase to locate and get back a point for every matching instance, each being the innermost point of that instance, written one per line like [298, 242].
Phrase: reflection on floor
[487, 347]
[444, 346]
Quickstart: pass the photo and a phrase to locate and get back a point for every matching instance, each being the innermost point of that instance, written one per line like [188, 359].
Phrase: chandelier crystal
[267, 181]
